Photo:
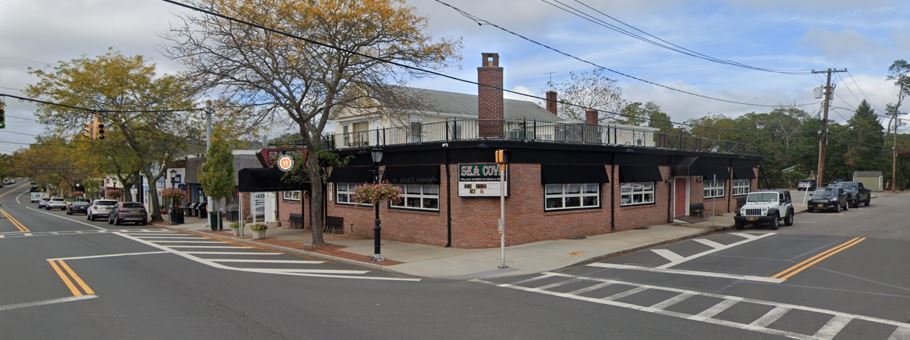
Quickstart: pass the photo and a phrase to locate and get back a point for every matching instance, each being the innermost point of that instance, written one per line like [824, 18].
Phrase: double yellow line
[14, 221]
[72, 281]
[805, 264]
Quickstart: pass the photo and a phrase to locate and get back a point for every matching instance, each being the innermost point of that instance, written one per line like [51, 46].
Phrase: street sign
[480, 180]
[285, 163]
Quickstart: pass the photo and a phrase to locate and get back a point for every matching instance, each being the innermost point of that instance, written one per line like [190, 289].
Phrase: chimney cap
[490, 59]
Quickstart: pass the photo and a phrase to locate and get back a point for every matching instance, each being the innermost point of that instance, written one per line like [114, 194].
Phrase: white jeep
[773, 207]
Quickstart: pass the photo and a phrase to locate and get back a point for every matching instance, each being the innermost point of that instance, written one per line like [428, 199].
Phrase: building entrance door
[680, 192]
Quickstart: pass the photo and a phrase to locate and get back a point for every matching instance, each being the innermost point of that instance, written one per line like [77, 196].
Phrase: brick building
[565, 179]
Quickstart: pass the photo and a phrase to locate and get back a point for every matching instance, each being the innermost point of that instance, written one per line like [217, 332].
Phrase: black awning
[708, 172]
[743, 173]
[350, 174]
[265, 179]
[631, 173]
[417, 174]
[567, 174]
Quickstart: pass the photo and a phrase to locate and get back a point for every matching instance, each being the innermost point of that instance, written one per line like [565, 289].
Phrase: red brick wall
[288, 207]
[489, 96]
[630, 217]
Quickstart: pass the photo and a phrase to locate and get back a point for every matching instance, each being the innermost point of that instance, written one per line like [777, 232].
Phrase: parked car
[100, 208]
[771, 207]
[36, 197]
[42, 203]
[828, 198]
[857, 193]
[806, 185]
[78, 207]
[128, 212]
[55, 203]
[9, 181]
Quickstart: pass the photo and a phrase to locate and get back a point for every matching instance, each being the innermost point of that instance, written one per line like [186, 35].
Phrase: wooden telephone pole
[823, 141]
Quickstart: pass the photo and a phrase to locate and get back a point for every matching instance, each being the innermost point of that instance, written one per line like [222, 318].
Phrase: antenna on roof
[550, 82]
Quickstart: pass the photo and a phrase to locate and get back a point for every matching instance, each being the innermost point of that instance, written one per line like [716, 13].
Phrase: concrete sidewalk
[452, 263]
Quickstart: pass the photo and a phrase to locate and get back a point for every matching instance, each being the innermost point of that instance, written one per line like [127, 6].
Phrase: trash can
[176, 216]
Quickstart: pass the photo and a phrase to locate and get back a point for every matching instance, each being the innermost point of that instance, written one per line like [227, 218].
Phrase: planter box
[259, 234]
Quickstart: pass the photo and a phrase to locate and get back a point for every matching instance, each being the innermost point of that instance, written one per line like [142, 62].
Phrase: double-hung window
[636, 193]
[741, 186]
[571, 196]
[714, 189]
[291, 195]
[418, 197]
[344, 194]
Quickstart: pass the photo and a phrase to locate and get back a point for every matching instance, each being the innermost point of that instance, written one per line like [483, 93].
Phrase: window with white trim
[636, 193]
[418, 197]
[291, 195]
[714, 189]
[571, 196]
[741, 186]
[344, 194]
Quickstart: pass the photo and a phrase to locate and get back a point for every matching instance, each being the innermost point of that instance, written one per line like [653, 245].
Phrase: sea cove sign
[480, 180]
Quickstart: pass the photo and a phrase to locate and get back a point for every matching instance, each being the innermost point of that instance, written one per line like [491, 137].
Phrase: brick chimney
[551, 102]
[489, 97]
[591, 117]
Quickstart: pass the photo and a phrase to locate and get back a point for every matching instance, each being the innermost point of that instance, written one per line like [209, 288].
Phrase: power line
[481, 21]
[17, 133]
[399, 64]
[857, 85]
[102, 111]
[663, 43]
[846, 86]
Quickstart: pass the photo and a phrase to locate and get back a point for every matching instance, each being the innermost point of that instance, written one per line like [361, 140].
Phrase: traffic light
[100, 129]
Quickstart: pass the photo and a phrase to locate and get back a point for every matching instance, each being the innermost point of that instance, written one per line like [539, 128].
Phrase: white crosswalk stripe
[777, 310]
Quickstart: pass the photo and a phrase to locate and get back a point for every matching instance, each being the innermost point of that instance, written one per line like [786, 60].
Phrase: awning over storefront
[265, 179]
[417, 174]
[631, 174]
[350, 174]
[566, 174]
[709, 172]
[743, 173]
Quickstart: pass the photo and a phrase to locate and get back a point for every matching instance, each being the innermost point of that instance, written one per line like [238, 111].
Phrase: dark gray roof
[466, 104]
[867, 173]
[243, 162]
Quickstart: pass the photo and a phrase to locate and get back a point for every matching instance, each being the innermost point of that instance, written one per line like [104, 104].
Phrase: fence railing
[535, 131]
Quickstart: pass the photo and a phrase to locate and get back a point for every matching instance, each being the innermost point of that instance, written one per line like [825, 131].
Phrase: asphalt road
[67, 277]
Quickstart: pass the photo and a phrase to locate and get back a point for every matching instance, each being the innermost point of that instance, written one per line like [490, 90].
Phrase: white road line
[109, 255]
[189, 238]
[712, 251]
[672, 301]
[225, 253]
[46, 302]
[833, 326]
[687, 272]
[540, 277]
[557, 284]
[621, 295]
[267, 261]
[208, 247]
[709, 243]
[314, 271]
[714, 310]
[669, 255]
[769, 317]
[185, 242]
[901, 333]
[744, 235]
[590, 288]
[2, 236]
[27, 234]
[67, 218]
[189, 256]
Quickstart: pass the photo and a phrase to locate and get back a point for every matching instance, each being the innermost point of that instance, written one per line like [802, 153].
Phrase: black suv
[856, 193]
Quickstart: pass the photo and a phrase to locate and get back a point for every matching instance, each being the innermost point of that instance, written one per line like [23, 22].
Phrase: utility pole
[897, 124]
[823, 141]
[208, 146]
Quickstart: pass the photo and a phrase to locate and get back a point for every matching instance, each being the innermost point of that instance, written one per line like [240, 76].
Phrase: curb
[293, 250]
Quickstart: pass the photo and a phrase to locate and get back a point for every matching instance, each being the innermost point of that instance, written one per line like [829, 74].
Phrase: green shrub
[259, 227]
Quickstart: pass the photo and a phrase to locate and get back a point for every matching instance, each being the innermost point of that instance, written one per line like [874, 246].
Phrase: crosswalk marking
[229, 253]
[744, 235]
[185, 242]
[672, 301]
[669, 255]
[687, 272]
[749, 238]
[709, 243]
[778, 310]
[313, 271]
[212, 247]
[769, 317]
[267, 261]
[557, 284]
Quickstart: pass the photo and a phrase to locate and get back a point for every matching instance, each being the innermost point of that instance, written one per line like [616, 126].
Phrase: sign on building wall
[480, 180]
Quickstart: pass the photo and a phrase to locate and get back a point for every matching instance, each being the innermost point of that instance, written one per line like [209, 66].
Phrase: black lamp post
[376, 154]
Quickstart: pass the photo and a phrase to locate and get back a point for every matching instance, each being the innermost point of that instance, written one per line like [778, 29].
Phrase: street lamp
[376, 154]
[174, 179]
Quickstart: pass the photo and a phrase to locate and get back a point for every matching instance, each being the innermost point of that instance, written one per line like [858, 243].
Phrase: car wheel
[810, 210]
[868, 201]
[775, 224]
[739, 225]
[837, 208]
[789, 220]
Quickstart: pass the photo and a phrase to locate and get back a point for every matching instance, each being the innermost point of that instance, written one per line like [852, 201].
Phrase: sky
[864, 36]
